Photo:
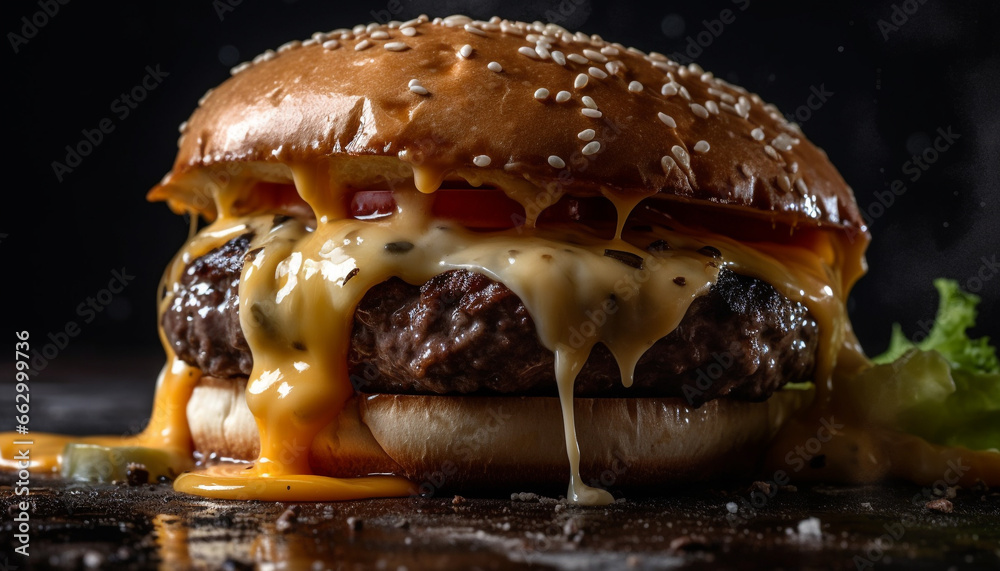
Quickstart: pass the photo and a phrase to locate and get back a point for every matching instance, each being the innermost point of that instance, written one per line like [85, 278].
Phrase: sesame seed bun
[485, 101]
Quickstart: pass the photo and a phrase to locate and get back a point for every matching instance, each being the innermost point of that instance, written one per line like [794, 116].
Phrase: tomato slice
[485, 208]
[370, 204]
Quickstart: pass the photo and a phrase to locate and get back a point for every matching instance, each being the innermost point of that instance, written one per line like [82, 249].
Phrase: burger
[493, 255]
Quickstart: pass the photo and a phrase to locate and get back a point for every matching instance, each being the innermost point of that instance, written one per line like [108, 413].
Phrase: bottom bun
[499, 442]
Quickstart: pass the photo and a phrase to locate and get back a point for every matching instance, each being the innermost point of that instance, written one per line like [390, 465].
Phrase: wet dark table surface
[76, 525]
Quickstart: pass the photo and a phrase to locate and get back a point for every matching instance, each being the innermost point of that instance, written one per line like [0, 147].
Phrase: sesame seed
[784, 184]
[494, 66]
[699, 110]
[669, 89]
[782, 142]
[610, 51]
[542, 51]
[577, 58]
[527, 51]
[707, 76]
[667, 120]
[598, 73]
[266, 56]
[681, 155]
[408, 32]
[331, 45]
[769, 150]
[363, 44]
[289, 46]
[695, 68]
[594, 56]
[380, 35]
[635, 87]
[465, 51]
[701, 147]
[667, 163]
[587, 135]
[581, 81]
[712, 107]
[474, 30]
[661, 66]
[684, 93]
[481, 161]
[413, 82]
[419, 89]
[310, 42]
[592, 113]
[509, 28]
[541, 94]
[242, 67]
[556, 162]
[559, 58]
[794, 167]
[588, 101]
[757, 134]
[613, 67]
[591, 148]
[182, 127]
[359, 29]
[562, 96]
[396, 46]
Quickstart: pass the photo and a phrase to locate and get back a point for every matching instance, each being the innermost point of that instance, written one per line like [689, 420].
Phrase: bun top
[503, 100]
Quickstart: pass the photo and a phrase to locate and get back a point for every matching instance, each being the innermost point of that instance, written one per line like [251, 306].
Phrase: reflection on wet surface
[116, 526]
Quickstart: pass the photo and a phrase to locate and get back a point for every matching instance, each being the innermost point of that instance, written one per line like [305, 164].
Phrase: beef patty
[461, 333]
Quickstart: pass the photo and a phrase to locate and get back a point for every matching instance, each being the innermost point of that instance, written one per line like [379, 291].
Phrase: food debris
[287, 519]
[940, 505]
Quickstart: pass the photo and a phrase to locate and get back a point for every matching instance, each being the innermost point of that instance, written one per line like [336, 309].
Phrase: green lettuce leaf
[956, 313]
[946, 388]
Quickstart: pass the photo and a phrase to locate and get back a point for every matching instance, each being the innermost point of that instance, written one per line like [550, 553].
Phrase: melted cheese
[167, 429]
[300, 286]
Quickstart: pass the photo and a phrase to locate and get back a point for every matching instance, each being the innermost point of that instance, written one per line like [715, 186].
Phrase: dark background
[892, 89]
